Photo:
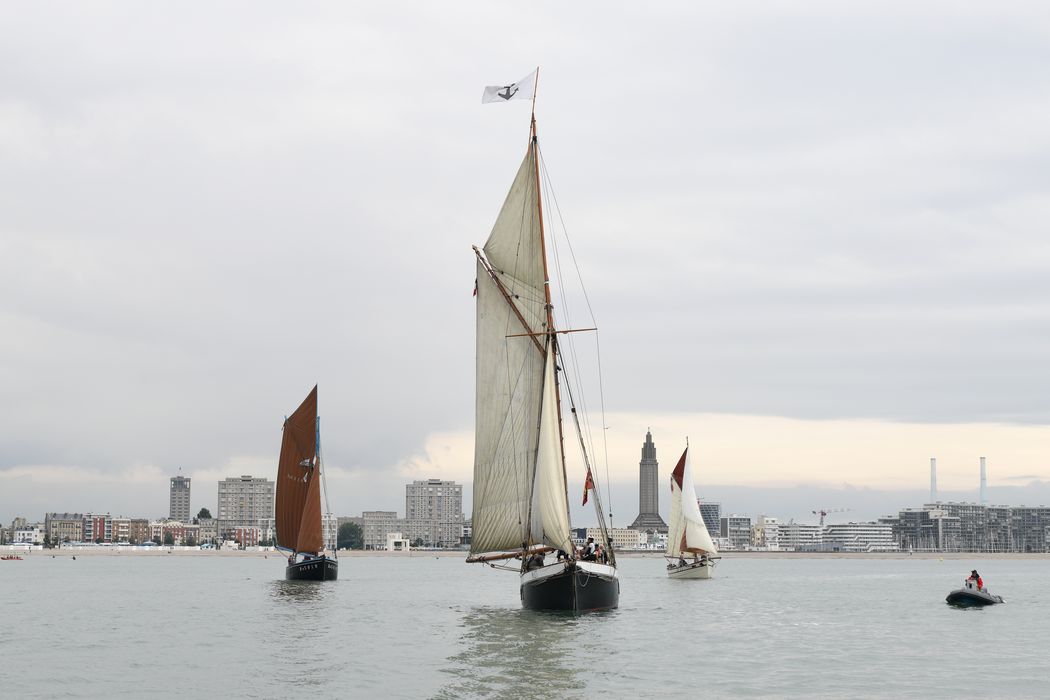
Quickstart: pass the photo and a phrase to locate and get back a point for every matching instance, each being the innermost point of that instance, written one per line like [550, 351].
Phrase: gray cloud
[808, 210]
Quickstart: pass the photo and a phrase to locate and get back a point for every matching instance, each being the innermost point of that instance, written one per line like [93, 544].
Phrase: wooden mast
[547, 292]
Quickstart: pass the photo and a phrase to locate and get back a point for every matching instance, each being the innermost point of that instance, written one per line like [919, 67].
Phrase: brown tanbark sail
[298, 509]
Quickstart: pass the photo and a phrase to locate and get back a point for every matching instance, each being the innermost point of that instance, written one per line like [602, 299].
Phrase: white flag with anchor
[520, 90]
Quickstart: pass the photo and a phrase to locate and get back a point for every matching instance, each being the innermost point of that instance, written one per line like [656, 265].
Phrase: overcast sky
[813, 236]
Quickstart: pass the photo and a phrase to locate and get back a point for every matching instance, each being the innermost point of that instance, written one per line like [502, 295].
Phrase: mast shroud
[297, 511]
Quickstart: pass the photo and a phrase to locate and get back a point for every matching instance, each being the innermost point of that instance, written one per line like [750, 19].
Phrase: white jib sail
[509, 370]
[687, 531]
[550, 506]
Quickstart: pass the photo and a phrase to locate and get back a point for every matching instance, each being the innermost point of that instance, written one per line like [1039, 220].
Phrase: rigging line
[578, 377]
[548, 187]
[601, 384]
[324, 489]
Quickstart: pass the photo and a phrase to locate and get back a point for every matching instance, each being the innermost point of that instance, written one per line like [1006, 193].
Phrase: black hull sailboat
[576, 586]
[317, 569]
[297, 511]
[521, 508]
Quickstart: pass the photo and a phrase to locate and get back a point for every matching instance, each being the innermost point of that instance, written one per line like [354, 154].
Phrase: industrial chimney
[933, 479]
[984, 484]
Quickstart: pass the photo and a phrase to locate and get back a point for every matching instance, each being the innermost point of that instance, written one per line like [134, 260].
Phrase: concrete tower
[179, 499]
[648, 490]
[933, 479]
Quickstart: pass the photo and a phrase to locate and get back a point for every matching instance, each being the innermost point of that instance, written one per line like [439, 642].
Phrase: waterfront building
[397, 542]
[120, 530]
[246, 536]
[973, 532]
[181, 533]
[434, 512]
[649, 519]
[64, 527]
[894, 523]
[736, 529]
[860, 537]
[794, 536]
[1029, 526]
[98, 528]
[712, 514]
[998, 523]
[208, 529]
[764, 533]
[973, 527]
[179, 499]
[621, 537]
[377, 524]
[243, 501]
[27, 534]
[267, 529]
[138, 530]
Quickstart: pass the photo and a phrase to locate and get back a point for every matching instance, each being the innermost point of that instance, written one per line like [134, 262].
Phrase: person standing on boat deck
[976, 578]
[589, 550]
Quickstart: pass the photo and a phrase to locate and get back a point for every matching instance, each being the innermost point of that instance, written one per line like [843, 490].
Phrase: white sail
[686, 531]
[510, 370]
[550, 506]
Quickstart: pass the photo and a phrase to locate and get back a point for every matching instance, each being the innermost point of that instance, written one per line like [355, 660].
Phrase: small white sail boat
[690, 551]
[521, 512]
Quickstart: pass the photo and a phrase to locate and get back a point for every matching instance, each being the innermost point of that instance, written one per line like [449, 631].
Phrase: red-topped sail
[298, 509]
[679, 470]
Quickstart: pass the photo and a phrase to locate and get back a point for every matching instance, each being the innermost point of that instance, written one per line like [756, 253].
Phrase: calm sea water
[424, 627]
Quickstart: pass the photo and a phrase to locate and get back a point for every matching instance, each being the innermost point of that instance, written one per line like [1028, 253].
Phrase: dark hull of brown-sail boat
[319, 569]
[577, 587]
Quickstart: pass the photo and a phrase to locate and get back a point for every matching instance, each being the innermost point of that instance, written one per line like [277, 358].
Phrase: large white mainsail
[550, 503]
[511, 369]
[686, 531]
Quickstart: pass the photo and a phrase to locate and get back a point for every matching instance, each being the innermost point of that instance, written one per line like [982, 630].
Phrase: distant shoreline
[69, 552]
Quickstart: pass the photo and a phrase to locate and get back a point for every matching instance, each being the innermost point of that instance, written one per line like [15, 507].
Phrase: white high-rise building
[244, 501]
[434, 512]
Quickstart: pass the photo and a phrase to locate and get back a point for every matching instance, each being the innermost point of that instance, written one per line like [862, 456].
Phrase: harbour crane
[825, 511]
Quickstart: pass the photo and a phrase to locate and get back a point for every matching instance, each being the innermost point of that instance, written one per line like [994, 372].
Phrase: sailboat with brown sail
[690, 551]
[520, 516]
[298, 508]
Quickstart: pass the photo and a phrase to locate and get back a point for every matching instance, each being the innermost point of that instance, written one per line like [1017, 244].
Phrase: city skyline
[802, 503]
[820, 272]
